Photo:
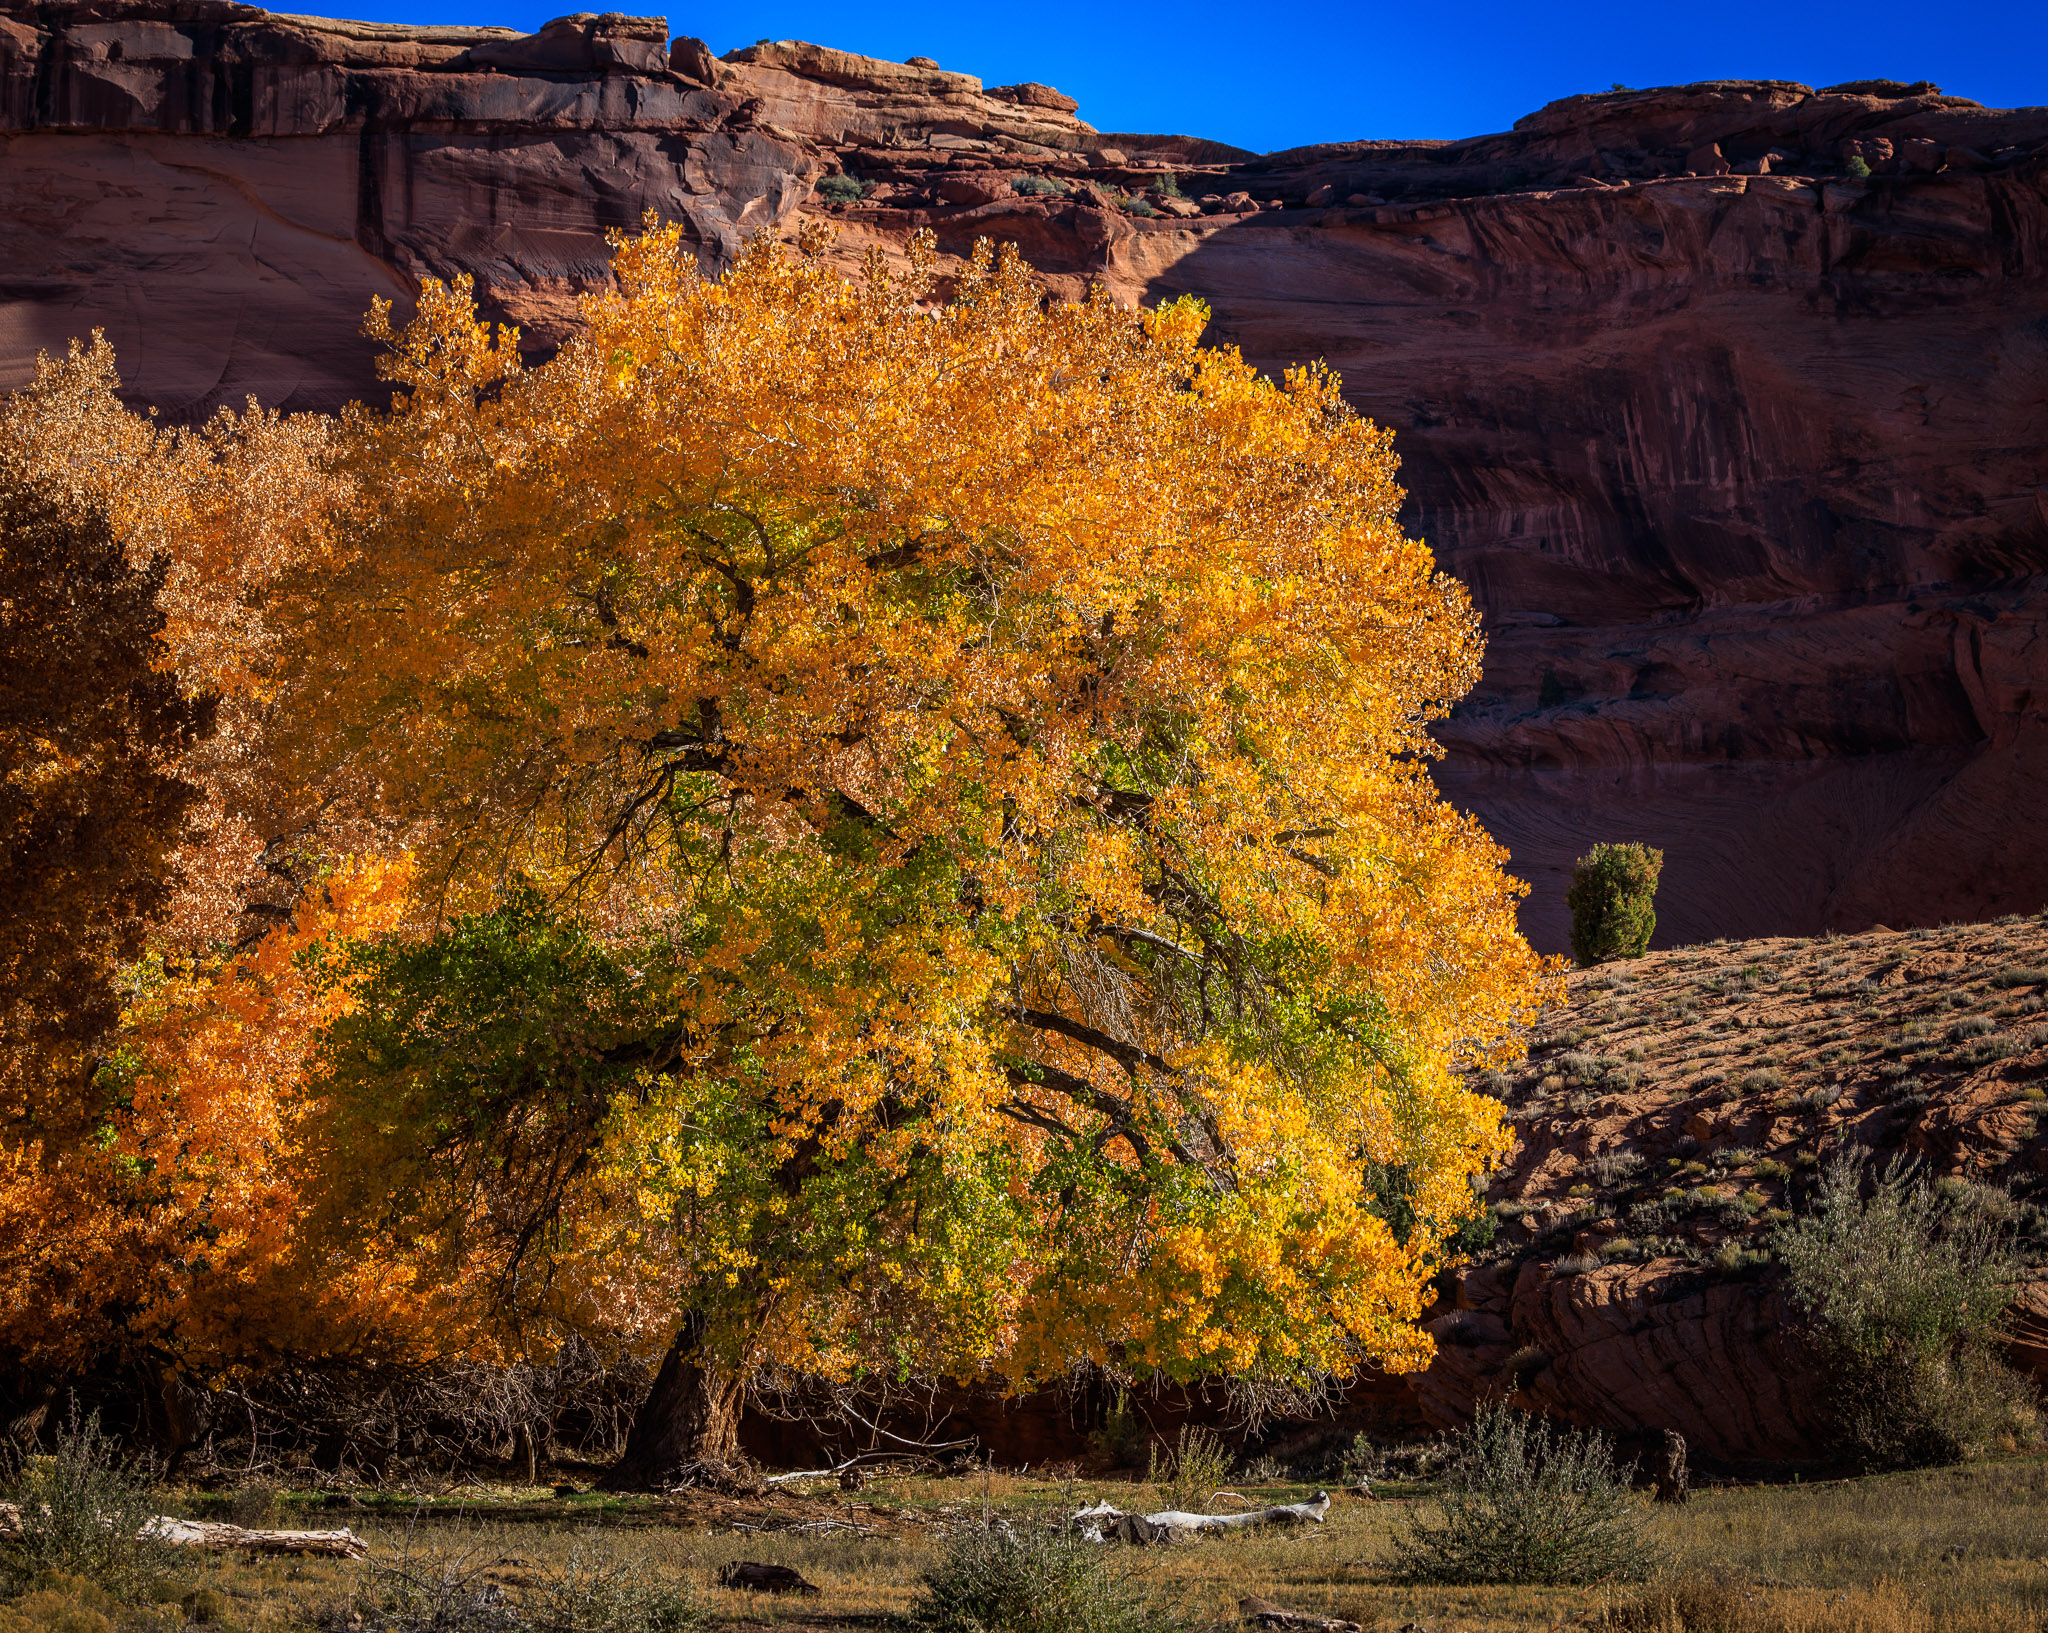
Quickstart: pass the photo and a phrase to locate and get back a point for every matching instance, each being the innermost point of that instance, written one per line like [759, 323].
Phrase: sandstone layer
[1729, 402]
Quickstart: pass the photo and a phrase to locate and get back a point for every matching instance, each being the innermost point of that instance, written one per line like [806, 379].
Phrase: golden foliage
[885, 832]
[993, 735]
[175, 1231]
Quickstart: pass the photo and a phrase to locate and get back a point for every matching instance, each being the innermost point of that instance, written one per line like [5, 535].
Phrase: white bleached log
[210, 1534]
[1096, 1523]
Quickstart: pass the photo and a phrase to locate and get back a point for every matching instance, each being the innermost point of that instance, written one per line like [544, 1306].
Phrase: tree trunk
[691, 1415]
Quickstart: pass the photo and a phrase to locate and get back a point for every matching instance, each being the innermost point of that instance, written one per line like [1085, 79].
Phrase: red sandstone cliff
[1744, 456]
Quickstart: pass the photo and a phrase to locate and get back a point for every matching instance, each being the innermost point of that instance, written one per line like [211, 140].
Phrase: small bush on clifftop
[841, 189]
[1612, 896]
[1529, 1503]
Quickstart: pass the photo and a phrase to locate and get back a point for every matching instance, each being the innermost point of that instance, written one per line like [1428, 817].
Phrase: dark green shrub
[83, 1513]
[1529, 1503]
[1612, 893]
[1167, 186]
[1858, 166]
[1906, 1291]
[1123, 1433]
[1030, 1579]
[841, 189]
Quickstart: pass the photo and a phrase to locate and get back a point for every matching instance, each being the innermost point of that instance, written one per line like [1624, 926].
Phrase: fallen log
[220, 1538]
[1105, 1523]
[1265, 1613]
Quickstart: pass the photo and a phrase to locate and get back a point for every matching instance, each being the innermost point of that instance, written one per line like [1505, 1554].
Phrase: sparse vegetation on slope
[1687, 1099]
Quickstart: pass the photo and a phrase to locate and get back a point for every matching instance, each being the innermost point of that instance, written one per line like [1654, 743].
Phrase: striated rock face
[1743, 458]
[1743, 454]
[225, 191]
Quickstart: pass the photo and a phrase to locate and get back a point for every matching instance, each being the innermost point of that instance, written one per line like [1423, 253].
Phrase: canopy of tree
[821, 827]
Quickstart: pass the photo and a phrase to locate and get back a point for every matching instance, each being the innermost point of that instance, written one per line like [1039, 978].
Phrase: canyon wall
[1742, 451]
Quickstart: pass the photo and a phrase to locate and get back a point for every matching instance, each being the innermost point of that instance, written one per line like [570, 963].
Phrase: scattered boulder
[748, 1576]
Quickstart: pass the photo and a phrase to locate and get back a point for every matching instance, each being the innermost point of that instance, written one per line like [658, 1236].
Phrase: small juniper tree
[1612, 898]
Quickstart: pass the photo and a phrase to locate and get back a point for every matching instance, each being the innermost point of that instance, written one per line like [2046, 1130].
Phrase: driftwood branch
[210, 1534]
[885, 1455]
[1102, 1522]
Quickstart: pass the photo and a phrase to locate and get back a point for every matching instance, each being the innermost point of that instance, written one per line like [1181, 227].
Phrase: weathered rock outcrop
[225, 191]
[1743, 452]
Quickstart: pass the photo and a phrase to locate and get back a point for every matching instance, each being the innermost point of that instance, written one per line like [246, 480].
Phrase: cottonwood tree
[925, 805]
[94, 733]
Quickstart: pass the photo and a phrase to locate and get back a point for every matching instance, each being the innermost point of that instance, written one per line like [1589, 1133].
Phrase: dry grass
[1953, 1549]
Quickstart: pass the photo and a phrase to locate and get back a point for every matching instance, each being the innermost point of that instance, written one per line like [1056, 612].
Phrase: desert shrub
[1140, 206]
[593, 1592]
[1198, 1464]
[1030, 1579]
[56, 1603]
[1167, 186]
[1039, 186]
[1975, 1027]
[430, 1588]
[1985, 1050]
[1611, 897]
[253, 1506]
[1818, 1098]
[841, 189]
[1906, 1291]
[1575, 1264]
[82, 1513]
[1361, 1461]
[1612, 1169]
[1858, 166]
[2020, 978]
[1526, 1502]
[1122, 1433]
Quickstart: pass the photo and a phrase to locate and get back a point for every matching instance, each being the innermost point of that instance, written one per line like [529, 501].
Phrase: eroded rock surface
[1675, 1114]
[1743, 453]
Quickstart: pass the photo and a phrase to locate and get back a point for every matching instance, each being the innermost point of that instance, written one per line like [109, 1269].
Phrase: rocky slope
[1743, 453]
[1673, 1115]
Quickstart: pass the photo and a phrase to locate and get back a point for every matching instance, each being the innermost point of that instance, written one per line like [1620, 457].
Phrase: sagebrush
[1029, 1578]
[1906, 1290]
[84, 1511]
[1527, 1502]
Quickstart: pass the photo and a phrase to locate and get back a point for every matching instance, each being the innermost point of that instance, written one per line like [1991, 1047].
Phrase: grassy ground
[1960, 1549]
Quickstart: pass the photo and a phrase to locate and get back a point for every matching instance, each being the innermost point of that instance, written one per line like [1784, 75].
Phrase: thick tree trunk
[691, 1415]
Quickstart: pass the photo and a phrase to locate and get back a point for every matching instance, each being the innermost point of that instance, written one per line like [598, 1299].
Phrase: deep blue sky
[1286, 72]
